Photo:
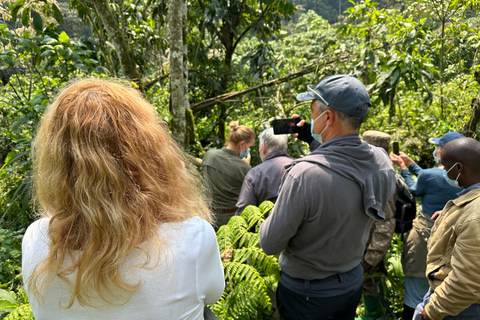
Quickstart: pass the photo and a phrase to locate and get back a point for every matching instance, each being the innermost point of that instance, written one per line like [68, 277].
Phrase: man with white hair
[263, 181]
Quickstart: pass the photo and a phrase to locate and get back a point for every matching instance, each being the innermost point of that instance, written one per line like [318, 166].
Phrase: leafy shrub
[23, 312]
[10, 257]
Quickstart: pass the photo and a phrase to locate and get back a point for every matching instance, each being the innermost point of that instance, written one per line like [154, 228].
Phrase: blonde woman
[124, 232]
[225, 169]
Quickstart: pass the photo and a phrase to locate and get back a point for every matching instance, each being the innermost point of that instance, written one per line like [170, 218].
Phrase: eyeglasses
[310, 88]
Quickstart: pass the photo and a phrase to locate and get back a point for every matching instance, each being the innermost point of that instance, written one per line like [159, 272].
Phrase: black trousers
[293, 306]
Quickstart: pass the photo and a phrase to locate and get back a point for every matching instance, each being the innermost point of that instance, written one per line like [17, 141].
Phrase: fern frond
[252, 215]
[249, 240]
[237, 227]
[265, 207]
[237, 272]
[224, 238]
[249, 273]
[249, 300]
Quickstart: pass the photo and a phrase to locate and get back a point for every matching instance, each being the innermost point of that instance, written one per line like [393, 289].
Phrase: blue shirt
[431, 186]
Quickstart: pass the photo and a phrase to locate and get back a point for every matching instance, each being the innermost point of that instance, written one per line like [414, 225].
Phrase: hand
[248, 158]
[397, 160]
[424, 315]
[436, 215]
[408, 161]
[304, 130]
[367, 267]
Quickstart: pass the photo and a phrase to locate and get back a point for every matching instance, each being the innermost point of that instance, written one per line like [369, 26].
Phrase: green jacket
[453, 261]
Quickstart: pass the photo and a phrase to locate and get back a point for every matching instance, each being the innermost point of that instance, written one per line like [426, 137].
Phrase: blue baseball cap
[342, 92]
[447, 137]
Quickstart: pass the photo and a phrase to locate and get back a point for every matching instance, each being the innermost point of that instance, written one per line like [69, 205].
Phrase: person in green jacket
[224, 170]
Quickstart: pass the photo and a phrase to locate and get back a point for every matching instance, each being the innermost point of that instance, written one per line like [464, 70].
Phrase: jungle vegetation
[207, 62]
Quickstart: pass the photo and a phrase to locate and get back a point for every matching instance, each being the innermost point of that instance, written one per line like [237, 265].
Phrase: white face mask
[453, 183]
[435, 156]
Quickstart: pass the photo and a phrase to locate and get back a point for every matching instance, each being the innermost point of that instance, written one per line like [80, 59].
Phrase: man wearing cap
[453, 260]
[326, 206]
[435, 192]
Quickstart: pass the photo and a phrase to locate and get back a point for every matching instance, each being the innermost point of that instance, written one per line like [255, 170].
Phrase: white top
[189, 275]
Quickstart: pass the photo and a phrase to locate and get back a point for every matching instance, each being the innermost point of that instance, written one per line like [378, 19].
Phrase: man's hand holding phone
[296, 126]
[303, 131]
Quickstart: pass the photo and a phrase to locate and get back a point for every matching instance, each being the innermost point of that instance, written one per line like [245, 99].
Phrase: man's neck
[339, 131]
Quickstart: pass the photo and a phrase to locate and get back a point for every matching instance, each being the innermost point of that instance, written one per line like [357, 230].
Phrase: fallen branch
[222, 98]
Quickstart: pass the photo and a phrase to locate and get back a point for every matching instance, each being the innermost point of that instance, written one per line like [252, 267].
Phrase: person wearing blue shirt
[435, 192]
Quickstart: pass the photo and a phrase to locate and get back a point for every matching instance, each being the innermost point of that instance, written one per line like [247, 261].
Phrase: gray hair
[349, 121]
[272, 141]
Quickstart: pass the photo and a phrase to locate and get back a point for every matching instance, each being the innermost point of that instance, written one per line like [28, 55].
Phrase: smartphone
[285, 126]
[395, 148]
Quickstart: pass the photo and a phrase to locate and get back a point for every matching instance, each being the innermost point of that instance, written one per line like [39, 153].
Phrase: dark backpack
[405, 206]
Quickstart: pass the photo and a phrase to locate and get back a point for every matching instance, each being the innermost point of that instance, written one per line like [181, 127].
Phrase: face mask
[244, 154]
[453, 183]
[317, 136]
[435, 157]
[262, 158]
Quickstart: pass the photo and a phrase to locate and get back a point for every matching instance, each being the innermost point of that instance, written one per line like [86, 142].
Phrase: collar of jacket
[466, 198]
[277, 153]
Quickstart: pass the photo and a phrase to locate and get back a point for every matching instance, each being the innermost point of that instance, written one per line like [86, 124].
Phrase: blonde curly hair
[107, 174]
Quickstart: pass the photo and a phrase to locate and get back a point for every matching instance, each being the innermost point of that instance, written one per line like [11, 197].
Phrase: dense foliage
[419, 59]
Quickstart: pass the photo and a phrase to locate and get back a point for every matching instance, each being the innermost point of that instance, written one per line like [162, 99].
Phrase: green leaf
[47, 53]
[9, 61]
[7, 298]
[63, 37]
[37, 21]
[57, 14]
[15, 9]
[25, 17]
[3, 26]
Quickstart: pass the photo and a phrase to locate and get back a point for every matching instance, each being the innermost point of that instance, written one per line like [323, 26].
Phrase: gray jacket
[322, 218]
[263, 181]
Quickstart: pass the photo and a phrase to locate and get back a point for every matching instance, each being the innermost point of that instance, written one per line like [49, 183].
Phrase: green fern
[250, 275]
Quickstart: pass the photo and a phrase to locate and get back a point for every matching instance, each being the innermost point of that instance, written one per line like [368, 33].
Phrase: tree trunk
[190, 120]
[120, 43]
[178, 92]
[225, 83]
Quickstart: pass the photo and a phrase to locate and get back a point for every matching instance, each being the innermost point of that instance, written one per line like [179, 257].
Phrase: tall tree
[118, 39]
[178, 73]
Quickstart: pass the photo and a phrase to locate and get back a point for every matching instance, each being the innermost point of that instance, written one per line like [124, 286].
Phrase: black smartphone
[396, 148]
[285, 126]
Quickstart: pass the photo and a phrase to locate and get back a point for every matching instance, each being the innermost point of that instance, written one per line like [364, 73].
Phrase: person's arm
[247, 195]
[382, 233]
[461, 286]
[209, 270]
[412, 166]
[420, 188]
[407, 176]
[288, 214]
[415, 169]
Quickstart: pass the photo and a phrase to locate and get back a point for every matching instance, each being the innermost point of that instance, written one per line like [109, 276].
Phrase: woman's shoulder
[38, 229]
[192, 227]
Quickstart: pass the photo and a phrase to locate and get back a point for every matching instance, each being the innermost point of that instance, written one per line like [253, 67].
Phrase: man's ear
[261, 148]
[330, 116]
